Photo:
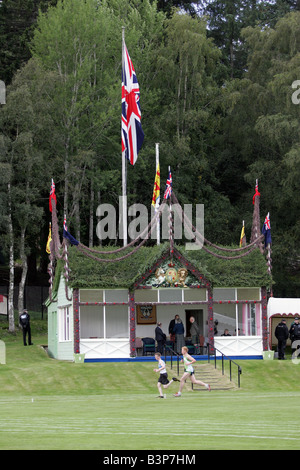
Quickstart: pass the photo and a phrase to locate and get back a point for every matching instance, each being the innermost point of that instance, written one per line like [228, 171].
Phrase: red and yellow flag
[156, 189]
[243, 237]
[49, 240]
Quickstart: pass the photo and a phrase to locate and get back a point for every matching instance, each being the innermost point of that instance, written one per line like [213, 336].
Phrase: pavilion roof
[87, 272]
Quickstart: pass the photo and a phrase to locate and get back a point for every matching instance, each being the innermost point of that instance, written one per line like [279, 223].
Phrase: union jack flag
[168, 190]
[52, 195]
[65, 223]
[266, 230]
[132, 132]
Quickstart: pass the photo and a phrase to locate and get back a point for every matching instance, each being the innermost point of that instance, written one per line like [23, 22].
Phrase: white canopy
[283, 306]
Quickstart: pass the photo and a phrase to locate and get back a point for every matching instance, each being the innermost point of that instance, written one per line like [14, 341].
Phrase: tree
[262, 129]
[191, 100]
[21, 161]
[81, 58]
[87, 102]
[17, 21]
[227, 19]
[168, 6]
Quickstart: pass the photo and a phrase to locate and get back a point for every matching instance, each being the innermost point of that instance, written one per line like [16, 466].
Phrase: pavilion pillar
[264, 319]
[132, 325]
[210, 319]
[76, 321]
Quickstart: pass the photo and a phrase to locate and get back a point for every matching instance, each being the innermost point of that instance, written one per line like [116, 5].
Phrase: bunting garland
[58, 250]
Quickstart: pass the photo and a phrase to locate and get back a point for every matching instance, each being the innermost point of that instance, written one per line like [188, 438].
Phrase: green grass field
[49, 404]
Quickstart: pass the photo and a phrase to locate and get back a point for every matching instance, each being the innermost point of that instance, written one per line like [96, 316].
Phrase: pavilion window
[194, 294]
[91, 295]
[225, 315]
[147, 295]
[91, 321]
[237, 311]
[116, 321]
[104, 321]
[250, 319]
[170, 295]
[64, 324]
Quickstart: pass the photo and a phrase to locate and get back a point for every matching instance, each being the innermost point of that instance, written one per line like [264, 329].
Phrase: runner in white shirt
[188, 362]
[163, 376]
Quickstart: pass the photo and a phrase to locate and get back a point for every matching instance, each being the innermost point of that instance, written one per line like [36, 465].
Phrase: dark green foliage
[216, 97]
[17, 21]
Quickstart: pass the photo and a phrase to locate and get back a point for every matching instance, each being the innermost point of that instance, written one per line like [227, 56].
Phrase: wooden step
[209, 374]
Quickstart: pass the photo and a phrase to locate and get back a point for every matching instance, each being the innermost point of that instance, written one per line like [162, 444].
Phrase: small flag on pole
[67, 235]
[49, 240]
[257, 193]
[156, 189]
[243, 236]
[52, 195]
[266, 230]
[168, 190]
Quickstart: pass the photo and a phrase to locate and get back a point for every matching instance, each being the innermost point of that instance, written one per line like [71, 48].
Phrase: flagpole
[269, 251]
[156, 208]
[124, 162]
[170, 216]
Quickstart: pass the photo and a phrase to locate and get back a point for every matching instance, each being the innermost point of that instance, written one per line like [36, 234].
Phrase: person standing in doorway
[24, 321]
[171, 330]
[179, 335]
[195, 333]
[160, 338]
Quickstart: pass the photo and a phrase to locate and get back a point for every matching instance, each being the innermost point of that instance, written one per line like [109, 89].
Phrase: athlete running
[188, 362]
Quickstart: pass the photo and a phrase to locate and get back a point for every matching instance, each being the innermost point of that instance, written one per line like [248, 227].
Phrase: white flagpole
[269, 250]
[157, 207]
[170, 209]
[124, 162]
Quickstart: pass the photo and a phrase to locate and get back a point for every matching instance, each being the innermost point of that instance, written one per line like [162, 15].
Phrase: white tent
[3, 305]
[280, 306]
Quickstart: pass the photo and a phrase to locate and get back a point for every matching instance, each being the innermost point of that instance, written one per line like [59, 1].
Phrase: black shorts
[163, 379]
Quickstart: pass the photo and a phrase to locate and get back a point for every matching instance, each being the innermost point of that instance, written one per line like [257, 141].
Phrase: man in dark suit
[282, 334]
[160, 338]
[24, 320]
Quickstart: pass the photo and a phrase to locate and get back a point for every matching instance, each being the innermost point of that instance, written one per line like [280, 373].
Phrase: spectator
[195, 331]
[24, 321]
[282, 334]
[295, 333]
[178, 330]
[160, 338]
[226, 332]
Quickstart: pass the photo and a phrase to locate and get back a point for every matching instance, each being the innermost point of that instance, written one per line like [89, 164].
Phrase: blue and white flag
[266, 230]
[168, 190]
[67, 235]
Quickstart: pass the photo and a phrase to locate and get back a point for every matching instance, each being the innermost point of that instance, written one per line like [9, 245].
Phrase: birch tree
[77, 41]
[21, 165]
